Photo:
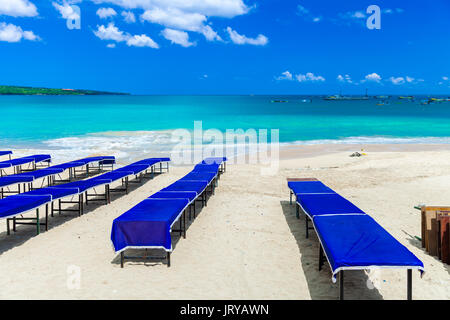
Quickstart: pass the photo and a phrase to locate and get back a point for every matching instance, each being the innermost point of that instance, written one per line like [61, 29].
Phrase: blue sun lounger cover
[351, 239]
[196, 186]
[29, 159]
[9, 180]
[147, 225]
[358, 242]
[189, 195]
[298, 187]
[54, 192]
[202, 167]
[5, 153]
[326, 204]
[16, 204]
[216, 160]
[199, 176]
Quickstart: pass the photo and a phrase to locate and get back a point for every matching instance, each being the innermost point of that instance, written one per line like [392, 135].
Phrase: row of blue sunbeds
[349, 238]
[149, 224]
[6, 153]
[33, 162]
[13, 207]
[48, 174]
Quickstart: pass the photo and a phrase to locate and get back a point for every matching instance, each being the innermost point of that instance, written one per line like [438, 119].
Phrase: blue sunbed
[134, 168]
[201, 167]
[350, 239]
[17, 204]
[358, 242]
[196, 186]
[199, 176]
[147, 225]
[14, 179]
[55, 192]
[29, 159]
[326, 204]
[5, 153]
[84, 185]
[189, 195]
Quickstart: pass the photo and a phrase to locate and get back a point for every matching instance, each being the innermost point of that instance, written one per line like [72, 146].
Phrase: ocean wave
[128, 146]
[373, 140]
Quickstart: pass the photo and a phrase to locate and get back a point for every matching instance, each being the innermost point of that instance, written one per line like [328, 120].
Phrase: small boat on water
[339, 97]
[383, 103]
[279, 101]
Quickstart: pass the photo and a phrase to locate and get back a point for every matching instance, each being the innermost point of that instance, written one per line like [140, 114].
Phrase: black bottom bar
[409, 285]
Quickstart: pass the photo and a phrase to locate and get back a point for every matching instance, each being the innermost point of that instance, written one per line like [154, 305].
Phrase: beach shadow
[357, 283]
[418, 244]
[26, 232]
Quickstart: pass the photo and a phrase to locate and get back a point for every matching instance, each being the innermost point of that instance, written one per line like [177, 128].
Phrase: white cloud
[184, 15]
[445, 78]
[301, 10]
[210, 8]
[66, 11]
[128, 16]
[309, 77]
[178, 37]
[260, 40]
[111, 32]
[175, 18]
[17, 8]
[111, 45]
[373, 77]
[344, 78]
[12, 33]
[142, 41]
[105, 13]
[210, 34]
[285, 76]
[409, 79]
[397, 80]
[358, 15]
[306, 14]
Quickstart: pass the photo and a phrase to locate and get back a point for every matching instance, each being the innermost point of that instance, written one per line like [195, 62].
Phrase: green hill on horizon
[16, 90]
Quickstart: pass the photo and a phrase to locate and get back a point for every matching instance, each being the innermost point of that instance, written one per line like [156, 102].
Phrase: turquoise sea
[142, 122]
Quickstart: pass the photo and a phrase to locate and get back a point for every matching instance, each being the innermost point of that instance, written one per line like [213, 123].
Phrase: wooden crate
[435, 230]
[444, 238]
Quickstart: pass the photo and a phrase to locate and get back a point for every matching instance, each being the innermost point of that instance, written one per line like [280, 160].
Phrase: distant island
[14, 90]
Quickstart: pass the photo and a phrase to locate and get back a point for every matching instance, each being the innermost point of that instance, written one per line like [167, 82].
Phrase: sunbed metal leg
[409, 285]
[80, 204]
[46, 217]
[290, 197]
[190, 210]
[168, 259]
[184, 224]
[14, 224]
[341, 285]
[297, 211]
[122, 256]
[320, 257]
[87, 201]
[59, 206]
[307, 228]
[51, 209]
[8, 232]
[38, 225]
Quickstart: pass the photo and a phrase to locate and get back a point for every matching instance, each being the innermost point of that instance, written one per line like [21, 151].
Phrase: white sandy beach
[247, 243]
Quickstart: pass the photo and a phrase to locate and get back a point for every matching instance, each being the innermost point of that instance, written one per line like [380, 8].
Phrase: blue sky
[227, 46]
